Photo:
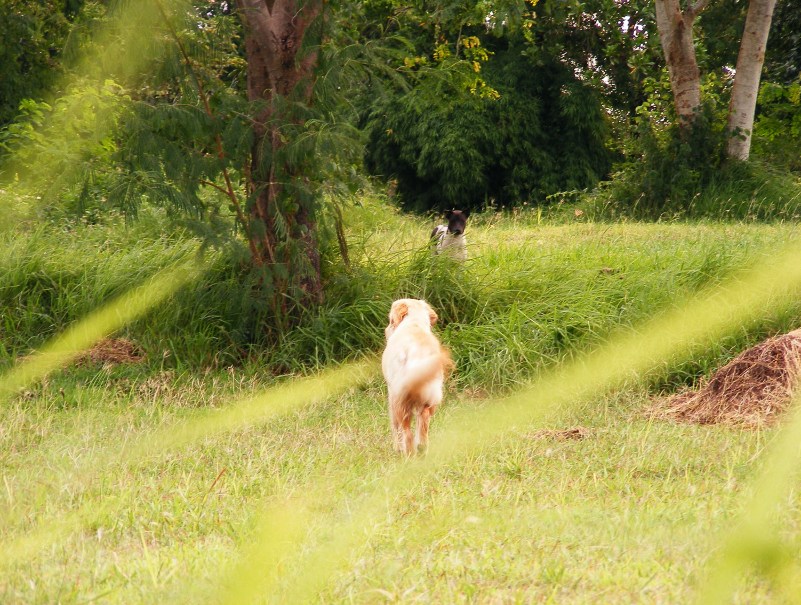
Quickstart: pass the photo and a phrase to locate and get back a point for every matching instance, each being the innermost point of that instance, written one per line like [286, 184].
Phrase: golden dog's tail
[421, 371]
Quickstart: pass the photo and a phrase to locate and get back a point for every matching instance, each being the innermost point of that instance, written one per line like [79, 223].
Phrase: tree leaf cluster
[32, 35]
[447, 146]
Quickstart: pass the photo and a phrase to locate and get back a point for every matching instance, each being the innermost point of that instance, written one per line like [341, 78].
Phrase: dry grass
[753, 389]
[576, 432]
[113, 351]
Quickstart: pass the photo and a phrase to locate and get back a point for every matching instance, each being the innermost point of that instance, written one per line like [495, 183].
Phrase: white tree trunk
[747, 76]
[676, 36]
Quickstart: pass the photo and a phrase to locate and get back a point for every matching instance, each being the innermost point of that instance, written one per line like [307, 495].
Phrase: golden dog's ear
[432, 315]
[398, 311]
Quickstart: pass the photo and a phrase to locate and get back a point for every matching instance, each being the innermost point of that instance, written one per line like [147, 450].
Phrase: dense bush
[684, 175]
[446, 147]
[668, 165]
[777, 130]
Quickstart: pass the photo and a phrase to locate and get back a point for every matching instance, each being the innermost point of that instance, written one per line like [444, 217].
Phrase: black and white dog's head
[450, 238]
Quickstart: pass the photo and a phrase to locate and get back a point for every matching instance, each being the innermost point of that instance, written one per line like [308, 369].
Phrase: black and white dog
[449, 239]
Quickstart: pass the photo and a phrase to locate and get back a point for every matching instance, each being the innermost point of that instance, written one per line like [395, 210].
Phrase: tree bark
[676, 37]
[281, 72]
[747, 76]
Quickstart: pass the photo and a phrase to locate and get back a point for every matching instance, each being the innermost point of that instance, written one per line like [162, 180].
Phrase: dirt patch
[576, 432]
[112, 351]
[753, 389]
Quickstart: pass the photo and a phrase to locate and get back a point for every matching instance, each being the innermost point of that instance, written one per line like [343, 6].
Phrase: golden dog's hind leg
[408, 438]
[401, 421]
[423, 420]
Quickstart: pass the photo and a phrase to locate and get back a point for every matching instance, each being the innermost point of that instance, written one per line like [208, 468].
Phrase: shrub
[446, 147]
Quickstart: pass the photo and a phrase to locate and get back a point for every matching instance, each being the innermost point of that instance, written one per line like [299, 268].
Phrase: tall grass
[54, 274]
[528, 297]
[532, 295]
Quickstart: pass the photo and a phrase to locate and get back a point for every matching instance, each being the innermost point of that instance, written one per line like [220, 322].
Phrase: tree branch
[229, 190]
[693, 10]
[214, 185]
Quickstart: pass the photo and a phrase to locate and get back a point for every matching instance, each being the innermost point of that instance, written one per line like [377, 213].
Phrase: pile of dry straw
[753, 389]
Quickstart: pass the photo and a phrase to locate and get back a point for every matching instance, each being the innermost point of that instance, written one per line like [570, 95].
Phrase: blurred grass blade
[123, 47]
[754, 538]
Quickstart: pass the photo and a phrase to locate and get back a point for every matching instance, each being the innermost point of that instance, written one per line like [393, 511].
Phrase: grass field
[166, 483]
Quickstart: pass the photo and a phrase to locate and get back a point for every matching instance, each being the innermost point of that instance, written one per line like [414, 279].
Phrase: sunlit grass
[238, 415]
[526, 516]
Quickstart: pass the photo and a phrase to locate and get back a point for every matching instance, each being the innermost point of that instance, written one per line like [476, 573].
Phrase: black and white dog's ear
[466, 213]
[448, 214]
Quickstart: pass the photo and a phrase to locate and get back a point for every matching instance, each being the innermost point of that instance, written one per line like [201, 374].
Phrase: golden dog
[415, 365]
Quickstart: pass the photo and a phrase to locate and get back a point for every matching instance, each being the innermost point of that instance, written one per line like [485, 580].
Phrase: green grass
[533, 294]
[543, 291]
[107, 494]
[629, 512]
[53, 274]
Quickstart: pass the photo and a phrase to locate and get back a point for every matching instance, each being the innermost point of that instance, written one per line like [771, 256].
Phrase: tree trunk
[281, 73]
[746, 78]
[676, 36]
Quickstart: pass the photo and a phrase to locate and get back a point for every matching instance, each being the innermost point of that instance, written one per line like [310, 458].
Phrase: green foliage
[718, 30]
[192, 143]
[167, 154]
[544, 132]
[465, 106]
[171, 145]
[752, 191]
[613, 45]
[39, 42]
[73, 138]
[777, 129]
[32, 33]
[783, 53]
[179, 135]
[551, 67]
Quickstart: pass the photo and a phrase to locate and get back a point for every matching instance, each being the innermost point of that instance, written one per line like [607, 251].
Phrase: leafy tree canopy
[498, 115]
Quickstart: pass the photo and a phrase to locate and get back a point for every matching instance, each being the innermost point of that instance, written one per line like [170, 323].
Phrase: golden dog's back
[414, 366]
